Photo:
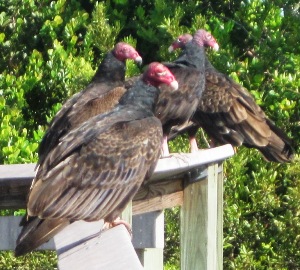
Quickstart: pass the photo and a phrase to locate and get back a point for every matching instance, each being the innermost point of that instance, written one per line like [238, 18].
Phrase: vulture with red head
[101, 95]
[177, 107]
[96, 168]
[228, 114]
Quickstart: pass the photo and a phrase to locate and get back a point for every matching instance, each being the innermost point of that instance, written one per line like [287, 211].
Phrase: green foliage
[172, 246]
[103, 35]
[50, 50]
[261, 209]
[261, 216]
[45, 260]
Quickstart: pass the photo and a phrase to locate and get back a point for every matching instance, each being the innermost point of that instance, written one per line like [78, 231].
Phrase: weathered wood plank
[151, 258]
[148, 230]
[71, 237]
[16, 179]
[166, 167]
[14, 196]
[200, 243]
[220, 206]
[127, 213]
[19, 172]
[159, 187]
[111, 249]
[177, 164]
[201, 216]
[193, 220]
[212, 218]
[148, 225]
[157, 203]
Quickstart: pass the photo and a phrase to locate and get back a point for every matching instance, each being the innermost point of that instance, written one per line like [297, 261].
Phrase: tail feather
[36, 232]
[274, 144]
[278, 149]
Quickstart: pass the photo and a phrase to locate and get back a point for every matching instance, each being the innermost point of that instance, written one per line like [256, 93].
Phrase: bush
[51, 49]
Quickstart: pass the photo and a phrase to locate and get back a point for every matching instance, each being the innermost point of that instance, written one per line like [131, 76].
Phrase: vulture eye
[209, 36]
[180, 39]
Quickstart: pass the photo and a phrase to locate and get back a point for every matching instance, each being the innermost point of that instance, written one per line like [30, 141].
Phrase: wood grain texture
[16, 179]
[157, 188]
[220, 188]
[193, 235]
[100, 252]
[157, 203]
[201, 241]
[151, 258]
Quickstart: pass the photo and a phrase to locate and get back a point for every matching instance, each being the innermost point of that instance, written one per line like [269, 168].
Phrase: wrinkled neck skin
[141, 95]
[192, 55]
[110, 69]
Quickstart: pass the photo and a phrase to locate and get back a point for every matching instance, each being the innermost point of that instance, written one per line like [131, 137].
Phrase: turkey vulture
[96, 168]
[229, 114]
[177, 107]
[101, 95]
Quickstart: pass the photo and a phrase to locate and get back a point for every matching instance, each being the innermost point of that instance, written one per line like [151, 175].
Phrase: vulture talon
[119, 221]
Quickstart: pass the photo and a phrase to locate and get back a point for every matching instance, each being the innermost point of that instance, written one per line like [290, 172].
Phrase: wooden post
[201, 216]
[127, 213]
[201, 227]
[148, 239]
[81, 245]
[220, 183]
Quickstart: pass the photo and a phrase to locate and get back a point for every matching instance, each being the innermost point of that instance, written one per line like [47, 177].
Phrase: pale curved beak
[138, 60]
[216, 47]
[174, 85]
[171, 48]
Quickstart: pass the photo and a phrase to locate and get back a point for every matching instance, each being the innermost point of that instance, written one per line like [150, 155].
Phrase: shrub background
[50, 49]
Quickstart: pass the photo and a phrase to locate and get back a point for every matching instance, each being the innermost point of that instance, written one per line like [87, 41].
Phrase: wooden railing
[193, 181]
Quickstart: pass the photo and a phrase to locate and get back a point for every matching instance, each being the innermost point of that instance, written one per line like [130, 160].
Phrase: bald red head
[123, 51]
[157, 74]
[201, 38]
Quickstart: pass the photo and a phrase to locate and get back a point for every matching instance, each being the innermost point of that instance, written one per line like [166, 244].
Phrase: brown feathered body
[177, 107]
[101, 95]
[229, 114]
[95, 169]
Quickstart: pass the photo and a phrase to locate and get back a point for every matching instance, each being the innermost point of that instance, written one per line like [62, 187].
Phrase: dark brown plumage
[229, 114]
[177, 107]
[96, 168]
[101, 95]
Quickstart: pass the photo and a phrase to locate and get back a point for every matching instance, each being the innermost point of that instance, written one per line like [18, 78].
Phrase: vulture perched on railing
[177, 107]
[228, 114]
[96, 168]
[101, 95]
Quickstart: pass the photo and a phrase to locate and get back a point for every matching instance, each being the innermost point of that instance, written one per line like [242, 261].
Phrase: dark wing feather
[95, 99]
[229, 114]
[176, 107]
[85, 167]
